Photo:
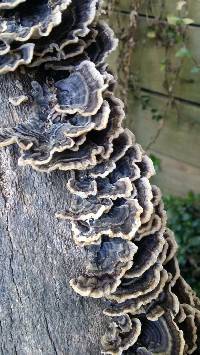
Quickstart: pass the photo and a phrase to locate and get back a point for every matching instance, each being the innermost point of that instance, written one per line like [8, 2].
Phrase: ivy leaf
[151, 34]
[183, 52]
[187, 21]
[173, 20]
[156, 162]
[195, 70]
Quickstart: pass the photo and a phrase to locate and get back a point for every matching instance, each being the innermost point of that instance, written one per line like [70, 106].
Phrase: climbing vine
[126, 33]
[169, 31]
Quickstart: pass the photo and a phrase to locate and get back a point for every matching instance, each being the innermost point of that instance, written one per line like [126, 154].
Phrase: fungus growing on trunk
[75, 125]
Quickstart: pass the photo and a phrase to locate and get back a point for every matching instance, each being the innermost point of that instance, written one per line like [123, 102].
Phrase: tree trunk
[39, 312]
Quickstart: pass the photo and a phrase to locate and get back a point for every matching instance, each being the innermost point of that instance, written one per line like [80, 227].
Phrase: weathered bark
[39, 312]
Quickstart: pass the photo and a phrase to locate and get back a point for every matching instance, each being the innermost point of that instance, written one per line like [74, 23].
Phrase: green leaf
[183, 52]
[187, 21]
[195, 70]
[173, 20]
[184, 220]
[151, 34]
[156, 162]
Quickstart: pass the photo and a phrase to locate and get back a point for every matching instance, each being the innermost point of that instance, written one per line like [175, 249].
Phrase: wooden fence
[178, 143]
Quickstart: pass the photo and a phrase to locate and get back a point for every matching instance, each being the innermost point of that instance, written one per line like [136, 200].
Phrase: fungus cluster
[116, 215]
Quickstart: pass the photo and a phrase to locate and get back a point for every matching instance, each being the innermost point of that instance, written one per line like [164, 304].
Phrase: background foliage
[184, 220]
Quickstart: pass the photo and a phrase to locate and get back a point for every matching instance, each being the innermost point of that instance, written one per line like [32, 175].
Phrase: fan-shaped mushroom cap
[38, 140]
[147, 255]
[173, 270]
[66, 65]
[118, 338]
[122, 220]
[162, 336]
[136, 305]
[68, 159]
[48, 135]
[126, 167]
[122, 188]
[180, 317]
[80, 183]
[22, 21]
[82, 91]
[138, 286]
[71, 38]
[11, 60]
[146, 167]
[94, 181]
[154, 225]
[189, 328]
[172, 245]
[113, 186]
[45, 139]
[158, 218]
[51, 54]
[120, 147]
[155, 336]
[144, 196]
[31, 20]
[85, 183]
[105, 42]
[167, 300]
[153, 313]
[197, 322]
[184, 292]
[108, 262]
[157, 195]
[82, 14]
[81, 209]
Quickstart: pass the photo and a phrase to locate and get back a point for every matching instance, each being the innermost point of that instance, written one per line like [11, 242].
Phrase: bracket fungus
[76, 125]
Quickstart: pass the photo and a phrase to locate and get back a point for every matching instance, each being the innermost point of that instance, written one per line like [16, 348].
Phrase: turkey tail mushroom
[75, 126]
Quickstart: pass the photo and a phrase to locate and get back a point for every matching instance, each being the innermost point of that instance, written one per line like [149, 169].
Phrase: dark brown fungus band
[139, 286]
[16, 57]
[81, 209]
[122, 220]
[65, 24]
[149, 249]
[108, 262]
[162, 336]
[120, 335]
[75, 125]
[23, 22]
[82, 91]
[137, 305]
[189, 328]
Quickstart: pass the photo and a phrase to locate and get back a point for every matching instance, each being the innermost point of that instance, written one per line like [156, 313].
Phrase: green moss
[184, 220]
